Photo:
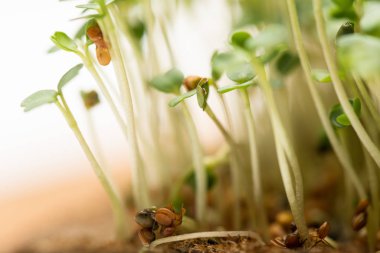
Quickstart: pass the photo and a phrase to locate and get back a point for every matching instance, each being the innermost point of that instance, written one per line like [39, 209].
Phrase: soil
[78, 221]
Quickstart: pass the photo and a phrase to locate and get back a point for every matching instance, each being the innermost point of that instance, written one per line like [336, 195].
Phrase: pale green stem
[103, 88]
[142, 102]
[139, 185]
[117, 204]
[234, 166]
[289, 189]
[255, 167]
[220, 126]
[285, 146]
[322, 113]
[200, 172]
[339, 88]
[153, 57]
[367, 100]
[167, 41]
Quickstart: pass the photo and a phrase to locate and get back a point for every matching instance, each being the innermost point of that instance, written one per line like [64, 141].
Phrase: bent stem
[255, 167]
[117, 204]
[284, 149]
[322, 113]
[200, 172]
[339, 88]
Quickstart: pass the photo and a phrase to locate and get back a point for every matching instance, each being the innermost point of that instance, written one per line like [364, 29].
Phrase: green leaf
[211, 179]
[169, 82]
[241, 73]
[370, 21]
[68, 76]
[337, 116]
[343, 120]
[90, 6]
[272, 53]
[89, 17]
[287, 62]
[137, 29]
[232, 87]
[321, 75]
[272, 36]
[239, 38]
[222, 62]
[339, 13]
[360, 54]
[202, 93]
[344, 4]
[39, 98]
[64, 42]
[53, 49]
[175, 101]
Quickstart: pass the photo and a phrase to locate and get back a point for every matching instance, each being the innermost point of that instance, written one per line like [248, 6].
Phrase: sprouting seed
[102, 52]
[191, 82]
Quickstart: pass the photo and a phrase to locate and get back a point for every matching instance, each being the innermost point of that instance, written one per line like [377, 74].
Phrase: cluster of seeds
[157, 223]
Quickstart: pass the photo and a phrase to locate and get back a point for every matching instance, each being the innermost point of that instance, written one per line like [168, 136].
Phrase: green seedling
[170, 82]
[337, 116]
[42, 97]
[338, 85]
[322, 113]
[133, 39]
[269, 41]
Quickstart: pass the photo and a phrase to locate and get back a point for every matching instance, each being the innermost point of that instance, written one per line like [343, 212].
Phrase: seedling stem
[261, 217]
[339, 88]
[323, 115]
[116, 201]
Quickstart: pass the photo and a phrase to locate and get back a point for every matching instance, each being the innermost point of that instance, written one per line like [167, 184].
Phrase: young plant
[56, 97]
[321, 76]
[171, 82]
[261, 50]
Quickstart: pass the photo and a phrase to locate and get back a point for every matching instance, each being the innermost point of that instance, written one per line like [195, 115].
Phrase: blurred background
[41, 162]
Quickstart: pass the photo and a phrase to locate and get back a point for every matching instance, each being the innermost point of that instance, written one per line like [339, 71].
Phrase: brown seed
[94, 33]
[146, 236]
[362, 206]
[103, 55]
[145, 219]
[165, 217]
[191, 82]
[292, 240]
[323, 230]
[359, 221]
[90, 99]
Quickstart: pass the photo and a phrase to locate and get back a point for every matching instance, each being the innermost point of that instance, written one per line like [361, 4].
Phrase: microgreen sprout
[56, 96]
[256, 83]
